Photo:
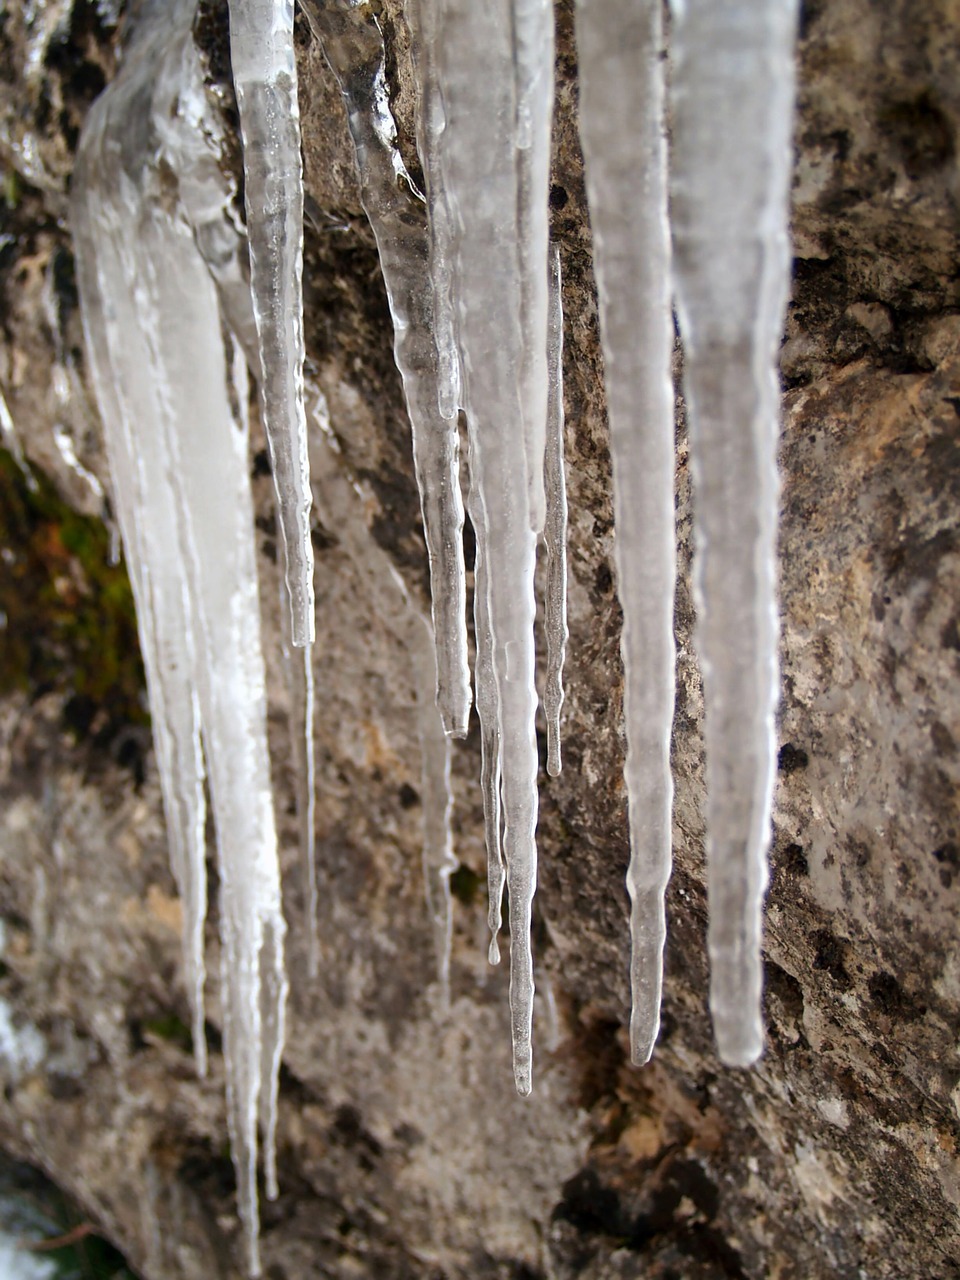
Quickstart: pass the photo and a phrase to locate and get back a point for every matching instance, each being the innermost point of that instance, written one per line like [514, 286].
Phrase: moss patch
[67, 618]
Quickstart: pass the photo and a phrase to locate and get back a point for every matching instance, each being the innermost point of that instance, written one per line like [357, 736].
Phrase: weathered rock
[403, 1151]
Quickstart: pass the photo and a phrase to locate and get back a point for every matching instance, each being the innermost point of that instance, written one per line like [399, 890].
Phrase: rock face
[403, 1150]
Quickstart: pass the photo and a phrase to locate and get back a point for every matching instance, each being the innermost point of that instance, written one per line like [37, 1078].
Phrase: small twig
[58, 1242]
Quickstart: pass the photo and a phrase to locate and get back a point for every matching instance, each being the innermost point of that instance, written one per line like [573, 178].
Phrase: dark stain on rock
[791, 758]
[831, 957]
[922, 133]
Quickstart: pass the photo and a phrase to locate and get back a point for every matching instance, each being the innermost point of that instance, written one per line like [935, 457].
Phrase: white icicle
[488, 712]
[298, 664]
[533, 60]
[265, 78]
[732, 98]
[178, 450]
[353, 45]
[555, 524]
[622, 127]
[476, 70]
[422, 17]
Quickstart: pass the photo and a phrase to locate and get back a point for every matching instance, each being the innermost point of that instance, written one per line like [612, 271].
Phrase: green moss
[170, 1028]
[68, 615]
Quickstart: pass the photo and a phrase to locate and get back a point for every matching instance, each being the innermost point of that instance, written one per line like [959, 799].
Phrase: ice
[422, 16]
[488, 712]
[621, 78]
[353, 45]
[533, 59]
[477, 73]
[298, 663]
[265, 79]
[555, 525]
[172, 398]
[732, 91]
[10, 440]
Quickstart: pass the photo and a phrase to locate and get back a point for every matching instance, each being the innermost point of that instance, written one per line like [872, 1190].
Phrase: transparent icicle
[299, 671]
[533, 60]
[422, 18]
[476, 72]
[173, 413]
[555, 524]
[344, 506]
[621, 79]
[732, 105]
[488, 712]
[265, 78]
[353, 45]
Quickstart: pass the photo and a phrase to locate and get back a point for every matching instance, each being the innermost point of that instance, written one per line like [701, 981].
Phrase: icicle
[621, 79]
[533, 58]
[436, 796]
[344, 506]
[299, 669]
[353, 45]
[422, 17]
[476, 71]
[732, 98]
[488, 712]
[555, 526]
[180, 467]
[265, 78]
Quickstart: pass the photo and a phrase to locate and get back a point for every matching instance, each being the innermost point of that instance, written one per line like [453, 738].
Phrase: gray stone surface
[403, 1151]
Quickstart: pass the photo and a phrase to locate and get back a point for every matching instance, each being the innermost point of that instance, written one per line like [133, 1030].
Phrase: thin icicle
[422, 18]
[436, 796]
[265, 78]
[178, 452]
[621, 79]
[533, 60]
[732, 99]
[353, 45]
[488, 712]
[555, 525]
[476, 71]
[299, 670]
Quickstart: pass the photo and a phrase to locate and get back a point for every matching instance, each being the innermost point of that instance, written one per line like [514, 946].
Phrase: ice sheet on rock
[621, 78]
[732, 92]
[178, 452]
[343, 504]
[353, 45]
[555, 524]
[265, 78]
[476, 72]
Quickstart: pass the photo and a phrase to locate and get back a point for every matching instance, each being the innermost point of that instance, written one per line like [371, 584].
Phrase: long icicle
[476, 70]
[353, 46]
[555, 525]
[621, 79]
[265, 78]
[732, 98]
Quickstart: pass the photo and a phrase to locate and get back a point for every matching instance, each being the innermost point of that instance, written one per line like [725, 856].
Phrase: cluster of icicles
[180, 306]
